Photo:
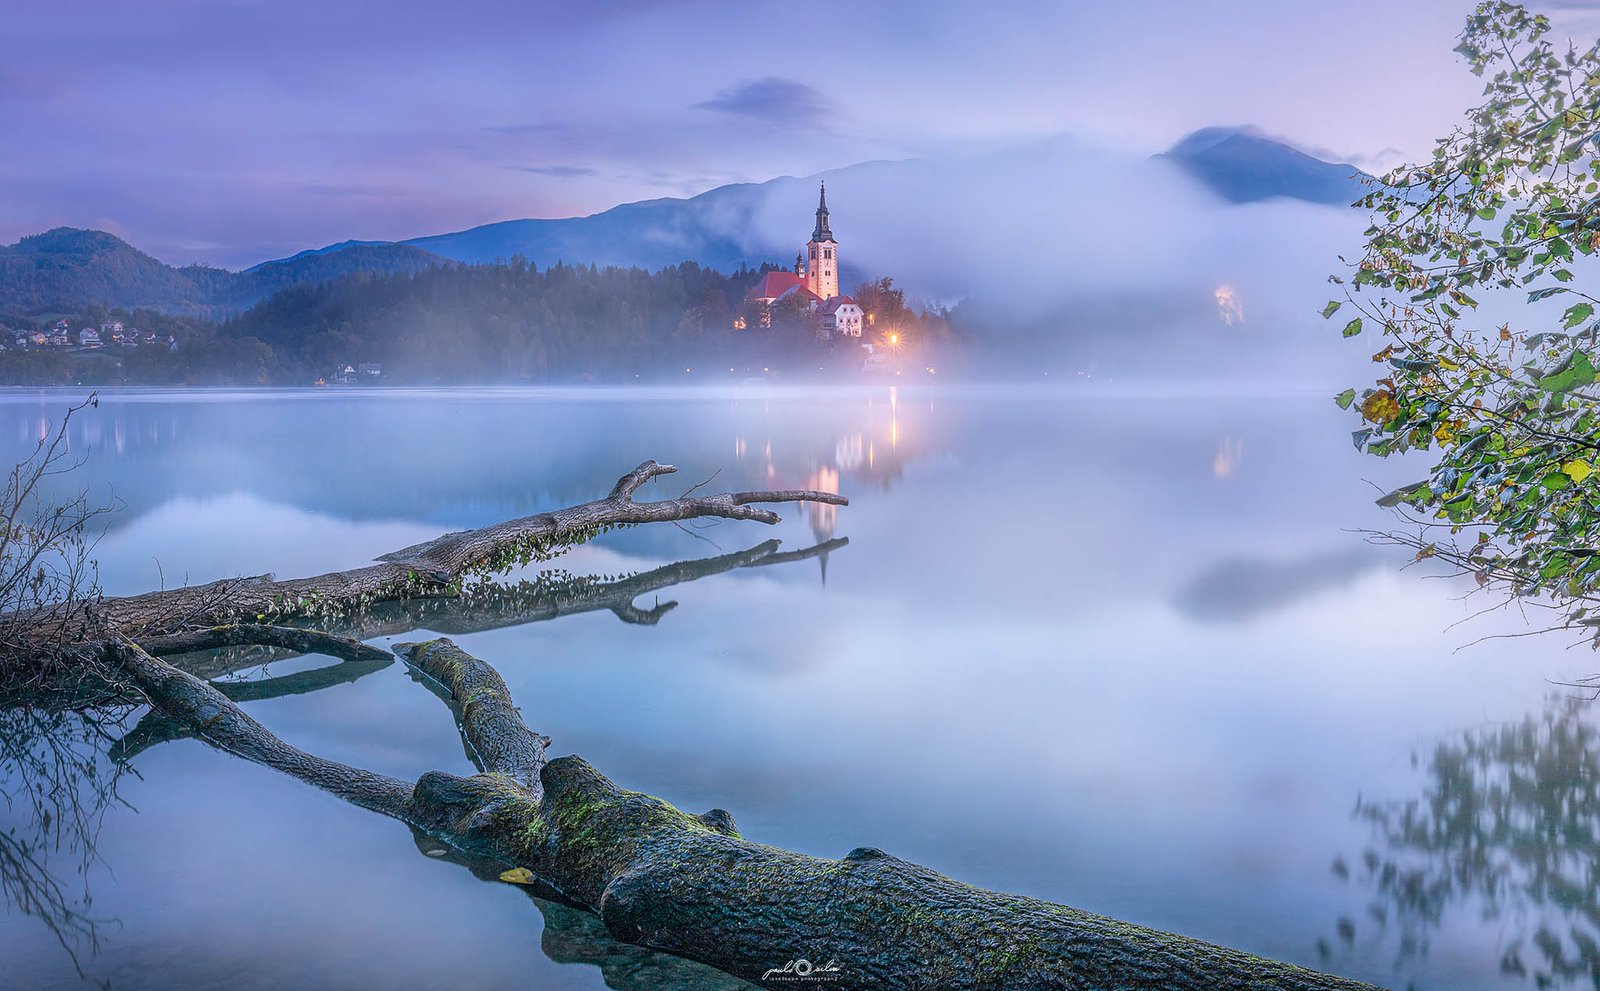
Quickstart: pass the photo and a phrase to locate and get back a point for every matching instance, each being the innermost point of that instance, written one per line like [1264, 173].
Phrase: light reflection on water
[1065, 653]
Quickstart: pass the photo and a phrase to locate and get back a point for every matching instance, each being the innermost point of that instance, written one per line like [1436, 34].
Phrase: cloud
[540, 127]
[1238, 589]
[556, 171]
[784, 102]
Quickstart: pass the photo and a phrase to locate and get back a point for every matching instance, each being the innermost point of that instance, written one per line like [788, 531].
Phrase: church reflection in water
[150, 453]
[1506, 827]
[863, 449]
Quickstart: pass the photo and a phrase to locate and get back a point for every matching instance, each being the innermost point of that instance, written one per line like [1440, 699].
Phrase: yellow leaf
[1577, 469]
[517, 875]
[1380, 407]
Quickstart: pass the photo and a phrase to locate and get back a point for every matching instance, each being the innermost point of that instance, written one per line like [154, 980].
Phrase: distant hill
[1242, 166]
[716, 229]
[67, 268]
[650, 234]
[313, 268]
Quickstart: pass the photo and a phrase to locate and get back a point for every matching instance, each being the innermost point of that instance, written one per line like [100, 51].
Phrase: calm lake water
[1116, 647]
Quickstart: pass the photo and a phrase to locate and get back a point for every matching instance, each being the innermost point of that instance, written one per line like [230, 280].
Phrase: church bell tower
[822, 254]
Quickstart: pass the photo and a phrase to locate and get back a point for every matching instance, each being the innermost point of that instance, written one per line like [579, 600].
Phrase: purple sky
[230, 132]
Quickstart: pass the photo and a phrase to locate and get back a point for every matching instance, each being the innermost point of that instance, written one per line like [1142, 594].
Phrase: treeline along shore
[510, 322]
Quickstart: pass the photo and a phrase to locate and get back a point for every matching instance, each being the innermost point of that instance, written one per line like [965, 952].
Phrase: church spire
[821, 233]
[822, 254]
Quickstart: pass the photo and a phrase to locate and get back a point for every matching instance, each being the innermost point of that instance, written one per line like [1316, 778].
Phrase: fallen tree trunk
[690, 885]
[48, 665]
[75, 679]
[484, 608]
[435, 567]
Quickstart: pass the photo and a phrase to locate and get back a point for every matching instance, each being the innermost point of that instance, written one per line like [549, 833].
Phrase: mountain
[1238, 163]
[649, 234]
[315, 267]
[1243, 166]
[67, 268]
[723, 228]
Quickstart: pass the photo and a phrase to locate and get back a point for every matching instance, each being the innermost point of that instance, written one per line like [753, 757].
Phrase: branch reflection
[1507, 826]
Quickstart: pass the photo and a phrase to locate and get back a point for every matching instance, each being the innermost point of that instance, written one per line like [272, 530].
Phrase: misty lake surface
[1112, 645]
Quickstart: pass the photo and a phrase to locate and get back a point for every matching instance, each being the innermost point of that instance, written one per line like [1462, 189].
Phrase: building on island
[813, 285]
[822, 254]
[841, 317]
[780, 285]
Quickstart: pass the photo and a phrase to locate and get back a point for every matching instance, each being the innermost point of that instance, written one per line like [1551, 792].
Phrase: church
[816, 279]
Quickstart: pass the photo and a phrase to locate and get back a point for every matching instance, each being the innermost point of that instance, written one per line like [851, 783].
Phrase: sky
[229, 132]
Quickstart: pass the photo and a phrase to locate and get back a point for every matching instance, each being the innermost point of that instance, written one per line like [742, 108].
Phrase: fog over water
[1091, 253]
[1111, 644]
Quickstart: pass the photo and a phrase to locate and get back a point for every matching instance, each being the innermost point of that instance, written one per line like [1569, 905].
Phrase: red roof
[834, 303]
[775, 284]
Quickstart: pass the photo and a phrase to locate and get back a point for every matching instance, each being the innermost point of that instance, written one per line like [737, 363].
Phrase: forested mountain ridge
[67, 269]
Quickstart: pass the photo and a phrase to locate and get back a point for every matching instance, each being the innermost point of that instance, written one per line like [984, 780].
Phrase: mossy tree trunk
[690, 885]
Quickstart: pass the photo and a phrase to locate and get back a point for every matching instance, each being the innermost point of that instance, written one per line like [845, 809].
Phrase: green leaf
[1331, 308]
[1345, 398]
[1352, 328]
[1403, 493]
[1577, 314]
[1577, 372]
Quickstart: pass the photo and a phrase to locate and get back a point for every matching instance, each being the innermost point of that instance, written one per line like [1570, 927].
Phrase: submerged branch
[215, 718]
[257, 635]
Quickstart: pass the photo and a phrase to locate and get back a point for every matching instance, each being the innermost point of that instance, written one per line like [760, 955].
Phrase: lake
[1116, 646]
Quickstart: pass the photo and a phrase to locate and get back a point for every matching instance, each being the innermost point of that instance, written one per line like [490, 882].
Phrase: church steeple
[821, 232]
[822, 254]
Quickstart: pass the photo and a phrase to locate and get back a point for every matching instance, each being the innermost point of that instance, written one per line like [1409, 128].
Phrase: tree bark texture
[688, 884]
